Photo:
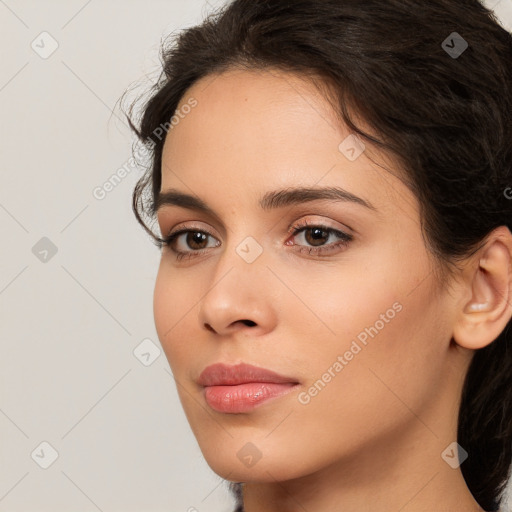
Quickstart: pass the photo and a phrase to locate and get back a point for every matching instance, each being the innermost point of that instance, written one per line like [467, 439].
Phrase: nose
[239, 297]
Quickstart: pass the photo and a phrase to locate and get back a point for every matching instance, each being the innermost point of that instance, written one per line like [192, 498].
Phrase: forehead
[259, 130]
[260, 108]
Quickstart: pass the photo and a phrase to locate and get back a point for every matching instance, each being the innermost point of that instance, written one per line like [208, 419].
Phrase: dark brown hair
[446, 118]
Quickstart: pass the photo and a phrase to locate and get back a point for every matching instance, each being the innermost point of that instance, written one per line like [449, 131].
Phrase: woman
[332, 180]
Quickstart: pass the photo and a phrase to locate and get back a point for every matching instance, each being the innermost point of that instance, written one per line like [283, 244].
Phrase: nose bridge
[241, 259]
[236, 291]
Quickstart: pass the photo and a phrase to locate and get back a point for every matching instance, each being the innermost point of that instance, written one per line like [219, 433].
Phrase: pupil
[317, 234]
[197, 237]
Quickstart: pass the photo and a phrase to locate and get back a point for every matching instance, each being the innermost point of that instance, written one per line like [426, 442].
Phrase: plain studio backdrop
[89, 414]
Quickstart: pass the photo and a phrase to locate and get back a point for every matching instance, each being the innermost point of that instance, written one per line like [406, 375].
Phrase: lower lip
[244, 397]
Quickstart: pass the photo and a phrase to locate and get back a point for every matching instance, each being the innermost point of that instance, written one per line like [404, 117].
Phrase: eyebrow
[270, 200]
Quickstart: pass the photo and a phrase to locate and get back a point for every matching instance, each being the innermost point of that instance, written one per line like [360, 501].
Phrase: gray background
[73, 372]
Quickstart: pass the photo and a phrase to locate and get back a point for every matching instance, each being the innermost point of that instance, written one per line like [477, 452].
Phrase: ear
[488, 283]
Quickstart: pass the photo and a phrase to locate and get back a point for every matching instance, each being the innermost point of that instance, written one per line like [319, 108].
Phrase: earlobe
[484, 316]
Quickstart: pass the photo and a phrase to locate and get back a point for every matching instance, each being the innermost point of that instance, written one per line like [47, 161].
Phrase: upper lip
[220, 374]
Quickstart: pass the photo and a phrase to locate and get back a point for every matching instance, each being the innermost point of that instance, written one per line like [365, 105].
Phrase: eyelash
[301, 226]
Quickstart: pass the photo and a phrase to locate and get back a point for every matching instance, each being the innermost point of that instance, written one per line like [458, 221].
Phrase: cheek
[380, 319]
[173, 307]
[385, 386]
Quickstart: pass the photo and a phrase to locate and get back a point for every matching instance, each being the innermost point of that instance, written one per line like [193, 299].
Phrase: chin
[244, 461]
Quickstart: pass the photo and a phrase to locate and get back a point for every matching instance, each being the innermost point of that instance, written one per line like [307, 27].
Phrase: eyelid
[306, 221]
[169, 219]
[322, 221]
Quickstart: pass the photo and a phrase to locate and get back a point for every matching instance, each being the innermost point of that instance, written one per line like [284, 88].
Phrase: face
[336, 294]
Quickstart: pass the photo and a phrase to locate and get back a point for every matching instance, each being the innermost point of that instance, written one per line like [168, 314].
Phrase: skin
[372, 438]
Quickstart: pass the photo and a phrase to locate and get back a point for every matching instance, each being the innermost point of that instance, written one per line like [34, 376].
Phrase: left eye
[317, 234]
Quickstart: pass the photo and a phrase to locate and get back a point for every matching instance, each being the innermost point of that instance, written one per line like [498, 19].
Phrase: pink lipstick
[240, 388]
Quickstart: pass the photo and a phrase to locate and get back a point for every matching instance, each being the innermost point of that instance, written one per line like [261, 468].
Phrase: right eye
[192, 239]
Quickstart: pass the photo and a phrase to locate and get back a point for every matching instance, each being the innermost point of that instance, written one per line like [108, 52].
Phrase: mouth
[241, 388]
[244, 397]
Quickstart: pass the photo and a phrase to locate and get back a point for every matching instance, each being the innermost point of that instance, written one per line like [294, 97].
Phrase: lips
[240, 388]
[220, 374]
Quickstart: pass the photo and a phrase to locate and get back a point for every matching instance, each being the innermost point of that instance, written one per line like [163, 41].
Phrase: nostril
[250, 323]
